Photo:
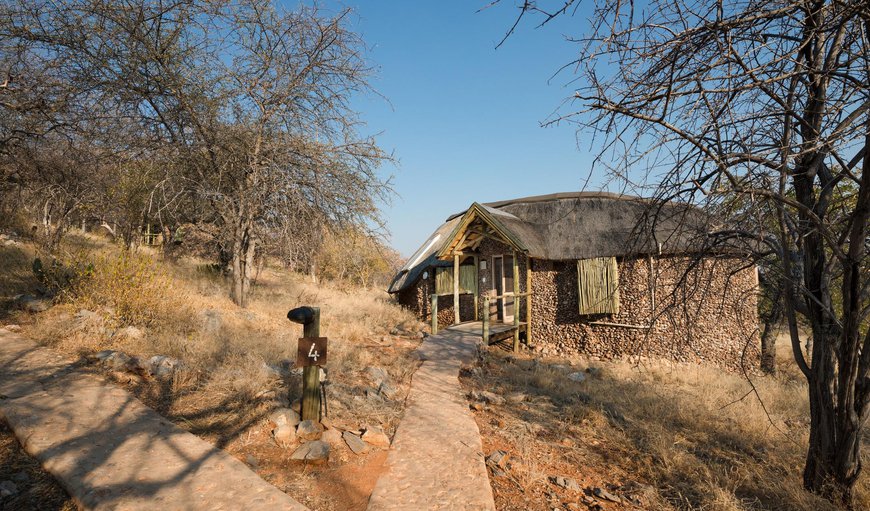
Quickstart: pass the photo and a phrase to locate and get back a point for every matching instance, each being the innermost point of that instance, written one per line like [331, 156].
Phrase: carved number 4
[312, 353]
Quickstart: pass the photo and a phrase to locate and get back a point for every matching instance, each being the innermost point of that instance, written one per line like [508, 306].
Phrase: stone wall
[684, 309]
[681, 308]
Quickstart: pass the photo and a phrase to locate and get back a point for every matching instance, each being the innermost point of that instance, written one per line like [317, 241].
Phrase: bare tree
[768, 101]
[250, 102]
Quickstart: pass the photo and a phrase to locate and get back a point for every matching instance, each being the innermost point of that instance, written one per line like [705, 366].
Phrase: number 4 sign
[311, 352]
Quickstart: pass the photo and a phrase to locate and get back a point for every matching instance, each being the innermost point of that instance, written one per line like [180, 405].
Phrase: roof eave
[477, 210]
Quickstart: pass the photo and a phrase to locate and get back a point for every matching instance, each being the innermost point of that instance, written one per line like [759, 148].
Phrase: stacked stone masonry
[682, 308]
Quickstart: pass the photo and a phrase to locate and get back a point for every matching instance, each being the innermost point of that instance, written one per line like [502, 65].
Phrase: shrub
[138, 290]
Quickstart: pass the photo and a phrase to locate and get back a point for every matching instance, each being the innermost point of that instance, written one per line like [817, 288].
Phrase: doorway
[503, 278]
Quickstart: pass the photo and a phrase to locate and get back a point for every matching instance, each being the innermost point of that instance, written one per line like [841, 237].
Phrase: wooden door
[503, 278]
[508, 286]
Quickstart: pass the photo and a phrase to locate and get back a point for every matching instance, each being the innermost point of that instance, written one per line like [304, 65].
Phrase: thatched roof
[570, 226]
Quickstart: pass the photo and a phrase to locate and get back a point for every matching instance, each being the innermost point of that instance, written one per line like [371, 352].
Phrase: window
[598, 286]
[467, 279]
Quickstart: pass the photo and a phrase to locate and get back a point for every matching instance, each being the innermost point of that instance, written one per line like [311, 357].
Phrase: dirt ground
[543, 443]
[35, 489]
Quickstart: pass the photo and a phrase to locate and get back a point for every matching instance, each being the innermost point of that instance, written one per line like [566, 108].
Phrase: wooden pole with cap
[309, 317]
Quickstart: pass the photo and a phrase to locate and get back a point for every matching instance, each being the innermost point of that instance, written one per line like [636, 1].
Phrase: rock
[374, 396]
[487, 397]
[286, 416]
[388, 390]
[33, 304]
[101, 356]
[355, 443]
[162, 366]
[309, 430]
[13, 328]
[211, 320]
[284, 435]
[516, 397]
[601, 493]
[87, 315]
[578, 377]
[296, 405]
[498, 459]
[332, 437]
[7, 489]
[566, 483]
[117, 360]
[376, 375]
[271, 371]
[315, 451]
[130, 332]
[375, 436]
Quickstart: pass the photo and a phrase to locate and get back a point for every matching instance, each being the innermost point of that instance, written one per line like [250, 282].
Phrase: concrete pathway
[108, 450]
[436, 460]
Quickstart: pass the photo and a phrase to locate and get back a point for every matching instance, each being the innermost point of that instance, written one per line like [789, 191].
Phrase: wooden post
[309, 317]
[455, 288]
[486, 319]
[516, 270]
[434, 310]
[476, 285]
[529, 303]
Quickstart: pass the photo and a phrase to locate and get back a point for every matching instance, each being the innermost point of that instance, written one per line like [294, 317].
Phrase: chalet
[596, 274]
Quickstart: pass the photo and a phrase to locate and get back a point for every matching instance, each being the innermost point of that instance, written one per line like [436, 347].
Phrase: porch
[497, 331]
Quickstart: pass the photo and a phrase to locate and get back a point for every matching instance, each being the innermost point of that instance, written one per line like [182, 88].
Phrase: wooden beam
[456, 289]
[461, 241]
[476, 290]
[528, 300]
[434, 310]
[516, 301]
[486, 319]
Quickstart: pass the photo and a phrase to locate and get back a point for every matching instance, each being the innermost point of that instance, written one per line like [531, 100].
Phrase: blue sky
[463, 118]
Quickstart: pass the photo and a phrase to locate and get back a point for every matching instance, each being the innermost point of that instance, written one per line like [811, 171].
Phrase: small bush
[138, 290]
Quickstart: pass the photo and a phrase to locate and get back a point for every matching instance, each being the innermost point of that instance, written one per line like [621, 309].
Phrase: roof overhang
[464, 236]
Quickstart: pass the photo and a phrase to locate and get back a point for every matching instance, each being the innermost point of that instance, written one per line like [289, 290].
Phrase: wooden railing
[486, 302]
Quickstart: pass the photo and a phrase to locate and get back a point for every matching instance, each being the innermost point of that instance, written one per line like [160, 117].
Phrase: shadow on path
[108, 450]
[436, 459]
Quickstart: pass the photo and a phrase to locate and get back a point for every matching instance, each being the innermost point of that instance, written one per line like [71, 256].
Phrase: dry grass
[701, 437]
[230, 355]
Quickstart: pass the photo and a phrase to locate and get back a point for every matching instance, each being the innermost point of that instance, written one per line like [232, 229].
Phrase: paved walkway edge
[111, 452]
[436, 460]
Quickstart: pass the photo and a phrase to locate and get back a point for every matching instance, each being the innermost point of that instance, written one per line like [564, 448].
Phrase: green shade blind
[598, 285]
[443, 281]
[467, 280]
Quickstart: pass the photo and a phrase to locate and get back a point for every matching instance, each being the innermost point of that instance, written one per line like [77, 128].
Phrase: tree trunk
[242, 262]
[832, 465]
[768, 339]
